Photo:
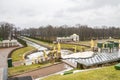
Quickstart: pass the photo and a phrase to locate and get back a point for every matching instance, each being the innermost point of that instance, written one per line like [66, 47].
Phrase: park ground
[17, 57]
[108, 73]
[105, 73]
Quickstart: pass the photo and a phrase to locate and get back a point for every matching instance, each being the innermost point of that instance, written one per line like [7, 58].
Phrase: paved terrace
[3, 62]
[45, 71]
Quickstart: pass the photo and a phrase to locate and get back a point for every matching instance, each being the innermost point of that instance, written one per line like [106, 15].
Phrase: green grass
[68, 72]
[21, 69]
[68, 46]
[85, 42]
[108, 73]
[17, 55]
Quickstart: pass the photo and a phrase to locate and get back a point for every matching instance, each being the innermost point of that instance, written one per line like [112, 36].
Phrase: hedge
[40, 39]
[22, 42]
[117, 66]
[68, 72]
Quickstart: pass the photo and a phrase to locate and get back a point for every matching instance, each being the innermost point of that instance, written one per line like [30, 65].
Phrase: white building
[75, 37]
[72, 38]
[8, 43]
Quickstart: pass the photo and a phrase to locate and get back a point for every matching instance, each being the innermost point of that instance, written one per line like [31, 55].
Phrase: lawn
[85, 42]
[21, 69]
[17, 55]
[69, 46]
[108, 73]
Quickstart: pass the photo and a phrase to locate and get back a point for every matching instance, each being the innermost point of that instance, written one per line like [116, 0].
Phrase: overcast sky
[33, 13]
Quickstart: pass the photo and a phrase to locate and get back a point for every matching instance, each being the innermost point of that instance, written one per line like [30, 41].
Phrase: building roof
[63, 38]
[100, 58]
[74, 34]
[8, 41]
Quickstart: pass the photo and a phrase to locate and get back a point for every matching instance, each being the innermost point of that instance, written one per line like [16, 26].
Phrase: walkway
[3, 61]
[44, 71]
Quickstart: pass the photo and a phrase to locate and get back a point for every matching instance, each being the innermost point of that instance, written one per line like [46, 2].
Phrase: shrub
[40, 39]
[22, 42]
[68, 72]
[117, 67]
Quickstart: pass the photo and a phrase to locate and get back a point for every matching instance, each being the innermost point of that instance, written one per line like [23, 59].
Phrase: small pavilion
[8, 43]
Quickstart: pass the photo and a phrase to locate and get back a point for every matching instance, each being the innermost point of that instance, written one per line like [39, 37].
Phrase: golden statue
[92, 43]
[59, 47]
[45, 55]
[75, 49]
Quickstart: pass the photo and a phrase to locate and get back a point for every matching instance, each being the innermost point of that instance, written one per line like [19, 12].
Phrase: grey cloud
[58, 12]
[91, 4]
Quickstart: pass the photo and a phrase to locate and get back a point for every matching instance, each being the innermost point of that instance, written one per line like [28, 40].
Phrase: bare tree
[49, 33]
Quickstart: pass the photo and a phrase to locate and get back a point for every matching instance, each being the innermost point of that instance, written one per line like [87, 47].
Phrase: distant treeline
[49, 33]
[7, 30]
